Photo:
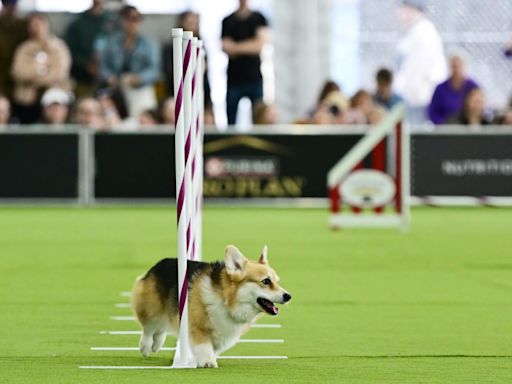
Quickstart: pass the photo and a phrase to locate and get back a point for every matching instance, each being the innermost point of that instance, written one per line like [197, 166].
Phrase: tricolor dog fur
[225, 298]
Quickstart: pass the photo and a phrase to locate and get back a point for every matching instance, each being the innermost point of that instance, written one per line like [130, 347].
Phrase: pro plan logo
[248, 167]
[241, 166]
[368, 188]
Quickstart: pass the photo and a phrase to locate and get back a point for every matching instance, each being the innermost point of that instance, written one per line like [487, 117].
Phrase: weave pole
[190, 160]
[197, 179]
[182, 50]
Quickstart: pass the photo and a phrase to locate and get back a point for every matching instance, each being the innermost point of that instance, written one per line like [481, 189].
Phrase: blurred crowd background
[102, 70]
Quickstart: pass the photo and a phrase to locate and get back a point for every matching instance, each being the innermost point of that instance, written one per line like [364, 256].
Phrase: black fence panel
[39, 166]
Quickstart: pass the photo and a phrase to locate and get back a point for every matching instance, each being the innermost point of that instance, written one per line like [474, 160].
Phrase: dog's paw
[145, 349]
[208, 364]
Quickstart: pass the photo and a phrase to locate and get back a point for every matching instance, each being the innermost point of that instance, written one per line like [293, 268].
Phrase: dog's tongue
[268, 306]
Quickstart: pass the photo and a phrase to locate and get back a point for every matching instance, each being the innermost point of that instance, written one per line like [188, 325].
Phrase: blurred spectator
[508, 50]
[13, 31]
[473, 112]
[109, 111]
[449, 95]
[244, 33]
[5, 111]
[189, 21]
[422, 64]
[505, 118]
[55, 103]
[148, 118]
[330, 105]
[361, 108]
[81, 36]
[384, 95]
[328, 88]
[129, 63]
[168, 111]
[88, 113]
[41, 62]
[264, 114]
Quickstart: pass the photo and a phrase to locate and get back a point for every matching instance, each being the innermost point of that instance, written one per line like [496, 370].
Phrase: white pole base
[183, 362]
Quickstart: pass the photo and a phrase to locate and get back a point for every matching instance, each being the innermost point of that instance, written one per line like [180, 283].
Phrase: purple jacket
[447, 101]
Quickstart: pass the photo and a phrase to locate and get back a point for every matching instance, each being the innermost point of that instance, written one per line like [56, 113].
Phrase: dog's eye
[266, 281]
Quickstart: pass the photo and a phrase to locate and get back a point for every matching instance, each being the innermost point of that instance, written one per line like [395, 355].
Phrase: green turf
[369, 306]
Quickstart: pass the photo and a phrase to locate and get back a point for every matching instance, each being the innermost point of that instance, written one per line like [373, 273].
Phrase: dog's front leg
[204, 355]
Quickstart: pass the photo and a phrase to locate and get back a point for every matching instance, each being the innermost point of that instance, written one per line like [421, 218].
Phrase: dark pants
[254, 91]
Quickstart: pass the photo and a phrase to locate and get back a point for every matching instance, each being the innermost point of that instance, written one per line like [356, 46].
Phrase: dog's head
[257, 283]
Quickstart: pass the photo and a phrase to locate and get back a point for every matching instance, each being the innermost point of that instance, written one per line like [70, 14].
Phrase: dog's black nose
[287, 297]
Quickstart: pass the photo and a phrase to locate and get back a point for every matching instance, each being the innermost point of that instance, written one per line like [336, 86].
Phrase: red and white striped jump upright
[369, 191]
[188, 151]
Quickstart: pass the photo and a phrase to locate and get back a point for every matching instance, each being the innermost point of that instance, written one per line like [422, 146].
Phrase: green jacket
[81, 36]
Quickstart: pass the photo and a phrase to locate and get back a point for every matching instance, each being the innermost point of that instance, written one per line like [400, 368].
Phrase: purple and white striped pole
[182, 90]
[198, 180]
[190, 160]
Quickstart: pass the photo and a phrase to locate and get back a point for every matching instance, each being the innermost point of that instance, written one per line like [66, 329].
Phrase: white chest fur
[227, 326]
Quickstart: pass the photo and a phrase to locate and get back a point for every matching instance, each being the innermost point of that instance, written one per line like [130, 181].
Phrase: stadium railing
[277, 165]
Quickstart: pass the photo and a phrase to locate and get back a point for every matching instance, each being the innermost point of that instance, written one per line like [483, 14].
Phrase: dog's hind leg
[146, 341]
[158, 340]
[153, 335]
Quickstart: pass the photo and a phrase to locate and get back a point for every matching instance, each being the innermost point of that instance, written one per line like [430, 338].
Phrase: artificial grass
[369, 306]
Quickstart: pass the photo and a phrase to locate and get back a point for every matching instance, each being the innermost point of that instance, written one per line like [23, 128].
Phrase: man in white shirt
[421, 60]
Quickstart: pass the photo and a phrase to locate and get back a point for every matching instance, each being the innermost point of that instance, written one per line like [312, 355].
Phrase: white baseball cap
[55, 96]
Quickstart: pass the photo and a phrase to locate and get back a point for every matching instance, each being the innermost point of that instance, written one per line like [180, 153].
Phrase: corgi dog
[225, 298]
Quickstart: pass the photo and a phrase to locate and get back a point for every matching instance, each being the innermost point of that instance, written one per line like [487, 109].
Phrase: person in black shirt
[243, 37]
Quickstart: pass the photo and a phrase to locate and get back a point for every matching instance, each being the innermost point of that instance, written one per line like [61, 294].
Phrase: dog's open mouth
[268, 306]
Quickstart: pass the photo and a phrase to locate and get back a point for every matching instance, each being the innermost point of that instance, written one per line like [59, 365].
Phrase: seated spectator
[5, 111]
[323, 115]
[264, 114]
[148, 119]
[167, 112]
[109, 111]
[449, 96]
[376, 115]
[129, 63]
[384, 95]
[81, 36]
[41, 62]
[473, 111]
[88, 114]
[333, 91]
[13, 31]
[505, 118]
[361, 107]
[55, 103]
[330, 94]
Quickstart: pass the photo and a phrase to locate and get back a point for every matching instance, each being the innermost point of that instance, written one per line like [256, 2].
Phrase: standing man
[81, 36]
[422, 64]
[244, 33]
[13, 31]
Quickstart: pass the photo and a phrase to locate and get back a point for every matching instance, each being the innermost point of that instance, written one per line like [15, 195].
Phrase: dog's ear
[235, 261]
[264, 256]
